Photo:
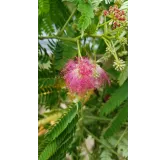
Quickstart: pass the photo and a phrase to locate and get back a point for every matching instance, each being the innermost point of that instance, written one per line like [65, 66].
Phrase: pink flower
[83, 74]
[105, 12]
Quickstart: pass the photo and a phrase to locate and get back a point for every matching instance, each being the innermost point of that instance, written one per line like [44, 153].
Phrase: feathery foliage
[86, 10]
[69, 29]
[44, 6]
[116, 99]
[105, 155]
[116, 124]
[123, 76]
[59, 134]
[50, 15]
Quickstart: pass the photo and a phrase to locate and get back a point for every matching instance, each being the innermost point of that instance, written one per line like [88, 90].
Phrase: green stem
[108, 37]
[106, 41]
[86, 35]
[98, 24]
[56, 37]
[123, 34]
[104, 23]
[98, 140]
[78, 45]
[114, 53]
[120, 137]
[78, 37]
[124, 47]
[69, 39]
[61, 31]
[105, 26]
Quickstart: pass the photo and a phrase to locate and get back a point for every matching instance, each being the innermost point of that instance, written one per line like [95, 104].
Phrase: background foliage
[95, 126]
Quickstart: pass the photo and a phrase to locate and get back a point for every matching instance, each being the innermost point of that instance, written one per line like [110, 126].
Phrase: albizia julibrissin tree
[82, 79]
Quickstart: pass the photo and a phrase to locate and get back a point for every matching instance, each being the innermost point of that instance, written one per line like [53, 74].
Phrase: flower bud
[119, 64]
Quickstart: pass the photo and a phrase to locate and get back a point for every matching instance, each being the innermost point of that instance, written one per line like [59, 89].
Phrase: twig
[121, 137]
[78, 45]
[61, 31]
[57, 37]
[98, 140]
[104, 23]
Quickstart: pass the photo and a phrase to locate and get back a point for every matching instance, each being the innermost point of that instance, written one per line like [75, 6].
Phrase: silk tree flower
[83, 74]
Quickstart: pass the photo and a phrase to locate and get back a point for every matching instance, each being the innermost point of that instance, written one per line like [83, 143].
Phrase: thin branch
[57, 37]
[69, 39]
[61, 31]
[121, 137]
[98, 140]
[105, 26]
[104, 23]
[78, 45]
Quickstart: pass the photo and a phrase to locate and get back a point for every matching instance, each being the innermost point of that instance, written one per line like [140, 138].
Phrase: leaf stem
[68, 38]
[57, 37]
[121, 137]
[78, 45]
[105, 26]
[106, 41]
[98, 24]
[114, 52]
[61, 31]
[104, 23]
[98, 140]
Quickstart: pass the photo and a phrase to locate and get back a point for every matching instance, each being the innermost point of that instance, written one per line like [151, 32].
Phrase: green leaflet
[62, 123]
[43, 56]
[84, 22]
[108, 1]
[44, 6]
[62, 52]
[116, 99]
[55, 149]
[123, 147]
[57, 16]
[95, 3]
[116, 124]
[105, 155]
[86, 10]
[68, 131]
[48, 151]
[45, 73]
[123, 75]
[124, 6]
[61, 152]
[50, 15]
[47, 96]
[46, 25]
[73, 1]
[46, 82]
[59, 135]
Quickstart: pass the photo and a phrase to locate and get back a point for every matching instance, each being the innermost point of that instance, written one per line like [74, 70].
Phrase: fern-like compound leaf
[116, 99]
[123, 75]
[86, 10]
[56, 140]
[116, 124]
